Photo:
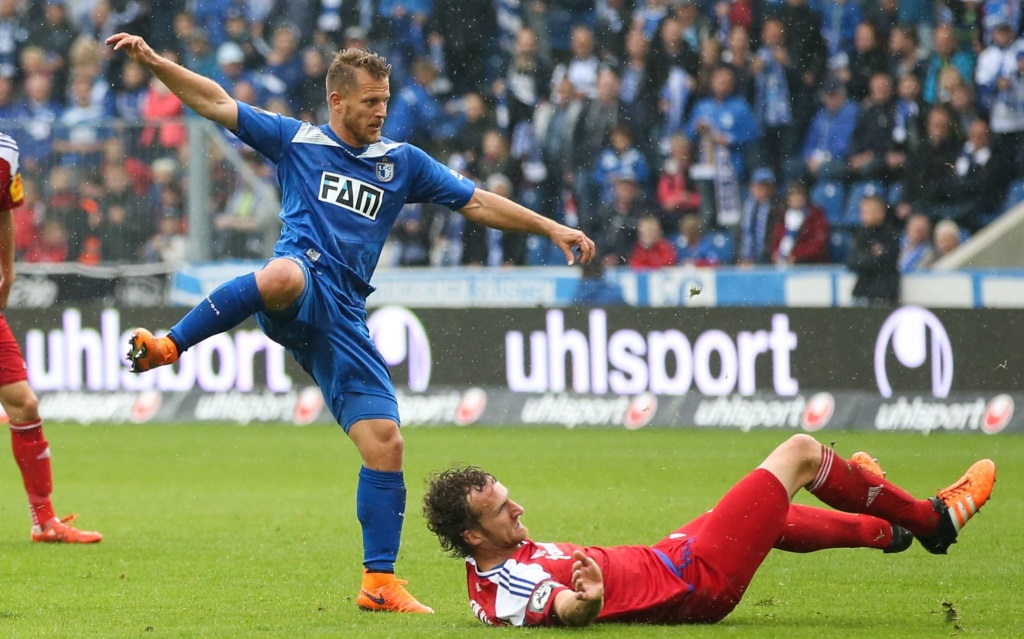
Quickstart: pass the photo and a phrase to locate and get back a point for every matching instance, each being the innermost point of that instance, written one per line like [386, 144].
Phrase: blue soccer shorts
[325, 331]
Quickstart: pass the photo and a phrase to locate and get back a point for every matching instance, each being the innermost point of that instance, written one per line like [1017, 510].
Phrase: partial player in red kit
[31, 450]
[699, 572]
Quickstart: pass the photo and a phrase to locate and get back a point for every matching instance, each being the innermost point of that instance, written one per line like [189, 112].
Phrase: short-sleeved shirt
[339, 202]
[11, 190]
[642, 584]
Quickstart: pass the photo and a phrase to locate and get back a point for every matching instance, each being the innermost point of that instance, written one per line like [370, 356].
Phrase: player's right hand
[571, 241]
[135, 47]
[587, 579]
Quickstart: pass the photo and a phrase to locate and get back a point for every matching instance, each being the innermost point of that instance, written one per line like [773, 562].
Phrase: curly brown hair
[446, 506]
[341, 76]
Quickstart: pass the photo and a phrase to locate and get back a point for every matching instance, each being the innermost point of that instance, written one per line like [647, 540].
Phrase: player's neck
[345, 135]
[489, 559]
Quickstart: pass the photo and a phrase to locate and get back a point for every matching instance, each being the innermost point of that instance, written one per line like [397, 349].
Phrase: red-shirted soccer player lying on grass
[698, 573]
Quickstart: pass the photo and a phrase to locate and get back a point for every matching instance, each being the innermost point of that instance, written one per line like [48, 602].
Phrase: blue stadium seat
[829, 196]
[839, 241]
[724, 246]
[859, 191]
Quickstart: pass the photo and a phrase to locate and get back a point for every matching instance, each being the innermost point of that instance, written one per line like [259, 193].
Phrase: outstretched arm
[581, 606]
[203, 95]
[503, 214]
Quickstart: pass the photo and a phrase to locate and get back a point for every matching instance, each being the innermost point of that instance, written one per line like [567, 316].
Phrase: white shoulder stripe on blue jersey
[309, 134]
[378, 149]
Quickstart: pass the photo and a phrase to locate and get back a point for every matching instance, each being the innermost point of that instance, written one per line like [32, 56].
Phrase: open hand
[587, 580]
[134, 46]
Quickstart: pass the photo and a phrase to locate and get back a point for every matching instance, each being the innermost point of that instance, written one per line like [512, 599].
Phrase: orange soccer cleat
[959, 502]
[60, 531]
[382, 592]
[146, 352]
[868, 463]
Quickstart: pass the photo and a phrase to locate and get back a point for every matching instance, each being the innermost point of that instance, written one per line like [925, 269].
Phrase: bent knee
[22, 407]
[380, 443]
[280, 283]
[804, 450]
[389, 436]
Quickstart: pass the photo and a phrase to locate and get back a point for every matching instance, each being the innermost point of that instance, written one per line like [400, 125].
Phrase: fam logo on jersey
[401, 338]
[385, 170]
[351, 194]
[917, 336]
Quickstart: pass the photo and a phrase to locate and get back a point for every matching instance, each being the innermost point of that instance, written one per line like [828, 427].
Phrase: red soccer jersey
[640, 587]
[11, 193]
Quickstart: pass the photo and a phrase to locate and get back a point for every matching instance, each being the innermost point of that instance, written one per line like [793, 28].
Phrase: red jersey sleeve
[11, 191]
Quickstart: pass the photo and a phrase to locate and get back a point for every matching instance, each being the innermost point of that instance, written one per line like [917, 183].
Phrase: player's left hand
[571, 241]
[587, 579]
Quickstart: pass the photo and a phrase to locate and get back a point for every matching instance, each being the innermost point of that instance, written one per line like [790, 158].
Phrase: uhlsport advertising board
[907, 368]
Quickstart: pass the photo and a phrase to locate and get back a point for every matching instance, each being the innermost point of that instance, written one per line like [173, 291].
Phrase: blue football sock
[380, 506]
[223, 309]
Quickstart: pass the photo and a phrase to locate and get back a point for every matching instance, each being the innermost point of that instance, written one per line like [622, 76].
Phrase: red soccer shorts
[12, 362]
[719, 552]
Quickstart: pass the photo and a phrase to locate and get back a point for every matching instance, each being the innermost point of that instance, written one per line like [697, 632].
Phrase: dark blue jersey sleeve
[437, 184]
[268, 133]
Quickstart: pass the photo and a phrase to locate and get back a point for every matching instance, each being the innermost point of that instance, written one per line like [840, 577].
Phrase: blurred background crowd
[699, 132]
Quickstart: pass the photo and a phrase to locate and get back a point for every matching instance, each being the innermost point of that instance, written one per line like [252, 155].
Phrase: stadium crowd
[671, 131]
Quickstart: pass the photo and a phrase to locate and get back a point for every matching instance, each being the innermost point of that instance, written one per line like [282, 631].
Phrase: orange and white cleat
[60, 531]
[868, 463]
[382, 592]
[959, 502]
[146, 351]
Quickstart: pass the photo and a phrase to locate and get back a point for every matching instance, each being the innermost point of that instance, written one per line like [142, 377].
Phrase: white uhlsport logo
[916, 336]
[351, 194]
[400, 337]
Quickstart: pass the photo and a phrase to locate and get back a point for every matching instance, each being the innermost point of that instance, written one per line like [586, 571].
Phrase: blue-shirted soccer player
[342, 187]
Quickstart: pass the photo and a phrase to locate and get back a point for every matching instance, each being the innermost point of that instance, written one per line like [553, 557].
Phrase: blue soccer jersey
[340, 202]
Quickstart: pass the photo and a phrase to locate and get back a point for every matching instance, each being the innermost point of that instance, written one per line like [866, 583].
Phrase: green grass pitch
[229, 531]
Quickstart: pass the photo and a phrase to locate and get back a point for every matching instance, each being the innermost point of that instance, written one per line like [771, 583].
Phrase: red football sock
[849, 488]
[809, 529]
[32, 453]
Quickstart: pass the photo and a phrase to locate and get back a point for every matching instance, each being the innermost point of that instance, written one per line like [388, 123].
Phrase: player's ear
[333, 99]
[472, 537]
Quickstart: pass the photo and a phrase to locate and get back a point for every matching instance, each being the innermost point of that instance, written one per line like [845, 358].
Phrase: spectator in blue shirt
[946, 54]
[724, 118]
[594, 289]
[285, 64]
[695, 248]
[828, 141]
[839, 22]
[620, 155]
[414, 115]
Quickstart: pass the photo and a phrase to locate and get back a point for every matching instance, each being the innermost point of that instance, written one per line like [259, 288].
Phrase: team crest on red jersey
[17, 190]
